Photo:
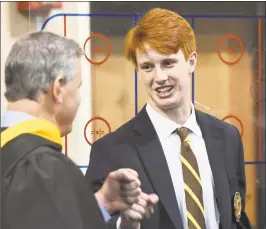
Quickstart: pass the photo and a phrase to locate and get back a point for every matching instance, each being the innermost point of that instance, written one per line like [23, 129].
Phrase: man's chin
[66, 131]
[165, 104]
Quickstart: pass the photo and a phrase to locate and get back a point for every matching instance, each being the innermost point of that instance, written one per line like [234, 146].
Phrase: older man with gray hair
[40, 187]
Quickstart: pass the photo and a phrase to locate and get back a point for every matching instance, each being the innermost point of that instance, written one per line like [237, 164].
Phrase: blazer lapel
[213, 137]
[152, 156]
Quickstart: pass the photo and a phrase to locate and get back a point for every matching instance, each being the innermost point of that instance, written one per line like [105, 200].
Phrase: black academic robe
[43, 189]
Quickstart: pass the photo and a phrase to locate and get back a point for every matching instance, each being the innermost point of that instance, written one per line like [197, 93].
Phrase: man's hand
[144, 208]
[120, 190]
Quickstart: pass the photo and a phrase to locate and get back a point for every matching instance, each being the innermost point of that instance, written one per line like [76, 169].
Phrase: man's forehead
[150, 54]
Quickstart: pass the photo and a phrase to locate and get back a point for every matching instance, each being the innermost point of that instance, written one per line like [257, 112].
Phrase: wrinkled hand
[120, 190]
[144, 208]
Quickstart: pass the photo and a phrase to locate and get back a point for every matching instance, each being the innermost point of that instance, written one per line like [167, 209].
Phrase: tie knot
[183, 133]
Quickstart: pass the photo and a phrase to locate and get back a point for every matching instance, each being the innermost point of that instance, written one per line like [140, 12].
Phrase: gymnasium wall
[229, 81]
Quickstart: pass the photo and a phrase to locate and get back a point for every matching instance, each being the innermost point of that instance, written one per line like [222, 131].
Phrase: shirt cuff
[105, 214]
[118, 223]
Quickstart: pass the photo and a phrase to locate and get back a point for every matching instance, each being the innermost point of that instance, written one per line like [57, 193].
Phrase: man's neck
[32, 108]
[178, 114]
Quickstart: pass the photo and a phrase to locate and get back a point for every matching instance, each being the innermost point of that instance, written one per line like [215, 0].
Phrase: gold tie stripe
[192, 183]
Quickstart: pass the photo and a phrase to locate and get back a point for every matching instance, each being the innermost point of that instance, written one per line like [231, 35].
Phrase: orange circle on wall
[238, 120]
[240, 43]
[96, 131]
[108, 48]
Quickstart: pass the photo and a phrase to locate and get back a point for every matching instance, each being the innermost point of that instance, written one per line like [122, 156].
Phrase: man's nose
[160, 75]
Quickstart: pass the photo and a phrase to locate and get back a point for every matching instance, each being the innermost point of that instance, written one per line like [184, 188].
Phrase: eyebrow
[170, 58]
[146, 62]
[165, 59]
[80, 84]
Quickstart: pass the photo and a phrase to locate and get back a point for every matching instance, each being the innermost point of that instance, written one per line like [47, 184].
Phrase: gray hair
[35, 61]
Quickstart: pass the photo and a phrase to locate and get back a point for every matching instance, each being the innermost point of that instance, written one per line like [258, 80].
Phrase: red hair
[164, 30]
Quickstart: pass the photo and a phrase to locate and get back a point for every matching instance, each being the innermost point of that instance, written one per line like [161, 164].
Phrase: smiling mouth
[164, 91]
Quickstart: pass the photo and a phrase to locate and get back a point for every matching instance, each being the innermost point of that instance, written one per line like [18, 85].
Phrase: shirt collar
[165, 127]
[11, 118]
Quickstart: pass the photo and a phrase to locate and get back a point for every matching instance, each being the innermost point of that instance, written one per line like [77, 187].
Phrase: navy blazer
[136, 145]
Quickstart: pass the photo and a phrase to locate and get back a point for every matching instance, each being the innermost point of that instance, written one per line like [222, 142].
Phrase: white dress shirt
[171, 145]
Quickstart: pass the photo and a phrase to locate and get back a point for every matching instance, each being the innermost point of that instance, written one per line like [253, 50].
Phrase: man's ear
[192, 62]
[57, 89]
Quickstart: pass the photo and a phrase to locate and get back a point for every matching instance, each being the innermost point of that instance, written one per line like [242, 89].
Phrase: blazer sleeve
[244, 221]
[100, 166]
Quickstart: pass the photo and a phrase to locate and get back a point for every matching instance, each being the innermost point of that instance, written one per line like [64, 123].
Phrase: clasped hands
[121, 192]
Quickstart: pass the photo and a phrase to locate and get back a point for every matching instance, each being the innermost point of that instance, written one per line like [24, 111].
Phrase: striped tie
[192, 183]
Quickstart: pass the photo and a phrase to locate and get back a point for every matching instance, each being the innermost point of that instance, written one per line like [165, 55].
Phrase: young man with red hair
[193, 161]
